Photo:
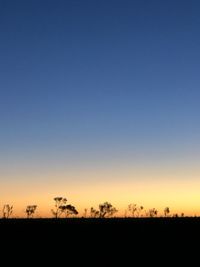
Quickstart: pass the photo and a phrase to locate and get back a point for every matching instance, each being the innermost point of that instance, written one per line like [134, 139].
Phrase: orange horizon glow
[148, 190]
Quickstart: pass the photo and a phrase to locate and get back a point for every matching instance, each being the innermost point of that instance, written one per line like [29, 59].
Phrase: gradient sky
[99, 101]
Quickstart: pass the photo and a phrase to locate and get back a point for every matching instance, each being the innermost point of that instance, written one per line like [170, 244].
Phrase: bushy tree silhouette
[30, 210]
[62, 208]
[7, 211]
[68, 210]
[105, 210]
[59, 202]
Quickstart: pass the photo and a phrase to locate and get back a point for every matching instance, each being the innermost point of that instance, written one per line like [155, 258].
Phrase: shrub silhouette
[30, 210]
[7, 211]
[152, 213]
[139, 210]
[59, 202]
[166, 211]
[134, 210]
[105, 210]
[94, 213]
[85, 213]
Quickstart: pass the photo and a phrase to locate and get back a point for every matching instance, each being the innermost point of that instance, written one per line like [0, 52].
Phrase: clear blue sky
[93, 83]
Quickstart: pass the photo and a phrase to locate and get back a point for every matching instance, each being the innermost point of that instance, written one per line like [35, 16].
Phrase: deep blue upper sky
[105, 79]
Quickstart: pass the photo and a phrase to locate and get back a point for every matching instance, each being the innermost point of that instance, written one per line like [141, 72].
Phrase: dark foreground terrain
[105, 238]
[112, 227]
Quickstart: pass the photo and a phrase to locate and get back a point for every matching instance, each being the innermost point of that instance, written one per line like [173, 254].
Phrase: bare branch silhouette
[7, 211]
[135, 210]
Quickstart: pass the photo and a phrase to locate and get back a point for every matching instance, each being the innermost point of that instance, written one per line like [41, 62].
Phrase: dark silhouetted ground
[103, 238]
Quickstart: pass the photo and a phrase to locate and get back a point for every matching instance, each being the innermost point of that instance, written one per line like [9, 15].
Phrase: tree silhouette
[166, 211]
[68, 210]
[7, 211]
[106, 210]
[59, 202]
[30, 210]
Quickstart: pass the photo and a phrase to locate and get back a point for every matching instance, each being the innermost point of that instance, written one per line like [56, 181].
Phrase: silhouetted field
[101, 229]
[101, 239]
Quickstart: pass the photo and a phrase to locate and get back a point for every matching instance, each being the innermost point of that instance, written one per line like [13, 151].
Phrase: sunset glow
[99, 101]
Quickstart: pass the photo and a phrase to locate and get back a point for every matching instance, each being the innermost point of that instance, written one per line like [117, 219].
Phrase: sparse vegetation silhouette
[135, 210]
[152, 213]
[166, 211]
[104, 210]
[85, 213]
[7, 211]
[30, 210]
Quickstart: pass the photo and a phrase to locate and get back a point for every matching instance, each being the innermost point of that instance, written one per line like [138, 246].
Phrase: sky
[99, 101]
